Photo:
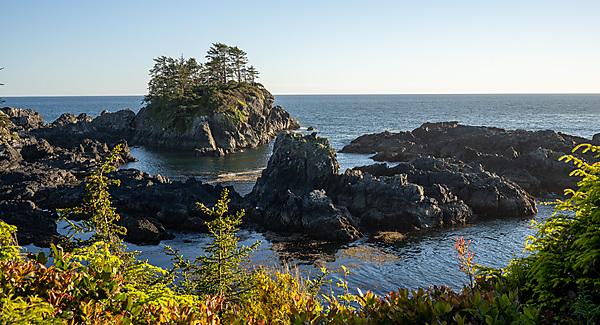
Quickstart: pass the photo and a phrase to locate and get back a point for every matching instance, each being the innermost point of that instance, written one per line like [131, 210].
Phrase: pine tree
[220, 271]
[251, 74]
[97, 205]
[219, 63]
[238, 62]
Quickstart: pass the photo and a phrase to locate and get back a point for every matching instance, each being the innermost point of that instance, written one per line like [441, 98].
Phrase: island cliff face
[246, 119]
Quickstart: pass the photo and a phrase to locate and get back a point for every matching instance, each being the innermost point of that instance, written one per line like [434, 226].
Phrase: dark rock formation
[302, 181]
[69, 131]
[39, 176]
[528, 158]
[24, 119]
[289, 196]
[34, 225]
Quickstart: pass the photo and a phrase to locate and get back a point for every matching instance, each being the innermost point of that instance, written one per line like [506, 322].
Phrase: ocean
[427, 258]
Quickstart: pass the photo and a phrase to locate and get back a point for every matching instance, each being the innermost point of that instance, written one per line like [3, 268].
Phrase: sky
[70, 48]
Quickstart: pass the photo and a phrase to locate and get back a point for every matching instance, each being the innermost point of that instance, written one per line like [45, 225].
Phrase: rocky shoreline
[447, 174]
[207, 135]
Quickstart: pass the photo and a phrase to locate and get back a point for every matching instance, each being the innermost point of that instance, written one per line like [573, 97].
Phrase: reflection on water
[425, 258]
[239, 170]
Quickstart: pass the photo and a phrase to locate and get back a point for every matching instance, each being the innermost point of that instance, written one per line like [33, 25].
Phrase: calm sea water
[424, 259]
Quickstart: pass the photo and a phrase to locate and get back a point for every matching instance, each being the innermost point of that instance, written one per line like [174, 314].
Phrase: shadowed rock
[528, 158]
[427, 192]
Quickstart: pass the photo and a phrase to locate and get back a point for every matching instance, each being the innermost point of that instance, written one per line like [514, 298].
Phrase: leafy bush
[564, 267]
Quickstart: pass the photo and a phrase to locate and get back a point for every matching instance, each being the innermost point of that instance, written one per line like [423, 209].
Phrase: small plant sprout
[465, 257]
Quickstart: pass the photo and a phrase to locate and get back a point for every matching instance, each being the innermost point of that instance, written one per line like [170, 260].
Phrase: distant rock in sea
[528, 158]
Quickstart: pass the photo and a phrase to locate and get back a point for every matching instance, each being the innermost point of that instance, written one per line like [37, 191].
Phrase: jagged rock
[37, 150]
[323, 219]
[8, 156]
[69, 131]
[143, 231]
[528, 158]
[213, 134]
[302, 181]
[447, 180]
[298, 166]
[26, 118]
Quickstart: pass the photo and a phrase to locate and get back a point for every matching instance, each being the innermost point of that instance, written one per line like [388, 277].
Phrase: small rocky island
[527, 158]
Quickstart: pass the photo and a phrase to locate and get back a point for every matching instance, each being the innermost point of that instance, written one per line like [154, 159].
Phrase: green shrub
[564, 266]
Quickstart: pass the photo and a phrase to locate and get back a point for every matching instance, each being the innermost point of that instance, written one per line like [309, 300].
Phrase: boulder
[325, 220]
[143, 231]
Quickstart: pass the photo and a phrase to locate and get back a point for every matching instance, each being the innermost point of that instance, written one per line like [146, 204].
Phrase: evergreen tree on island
[180, 82]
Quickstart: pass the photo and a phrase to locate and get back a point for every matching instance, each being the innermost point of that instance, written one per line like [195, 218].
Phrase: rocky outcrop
[70, 131]
[425, 192]
[253, 121]
[528, 158]
[23, 119]
[290, 196]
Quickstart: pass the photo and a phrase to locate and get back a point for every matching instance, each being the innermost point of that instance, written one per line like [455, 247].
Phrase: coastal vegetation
[97, 282]
[182, 89]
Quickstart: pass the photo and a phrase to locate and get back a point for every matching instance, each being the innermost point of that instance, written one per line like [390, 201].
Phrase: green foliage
[220, 271]
[229, 98]
[228, 63]
[181, 89]
[276, 298]
[172, 80]
[8, 242]
[564, 266]
[29, 310]
[98, 208]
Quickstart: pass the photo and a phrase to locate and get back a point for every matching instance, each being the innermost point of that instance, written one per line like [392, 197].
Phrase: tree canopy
[180, 81]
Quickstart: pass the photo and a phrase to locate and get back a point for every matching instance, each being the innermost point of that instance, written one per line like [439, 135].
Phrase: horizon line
[336, 94]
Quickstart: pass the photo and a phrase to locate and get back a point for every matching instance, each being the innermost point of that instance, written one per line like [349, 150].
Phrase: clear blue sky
[324, 47]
